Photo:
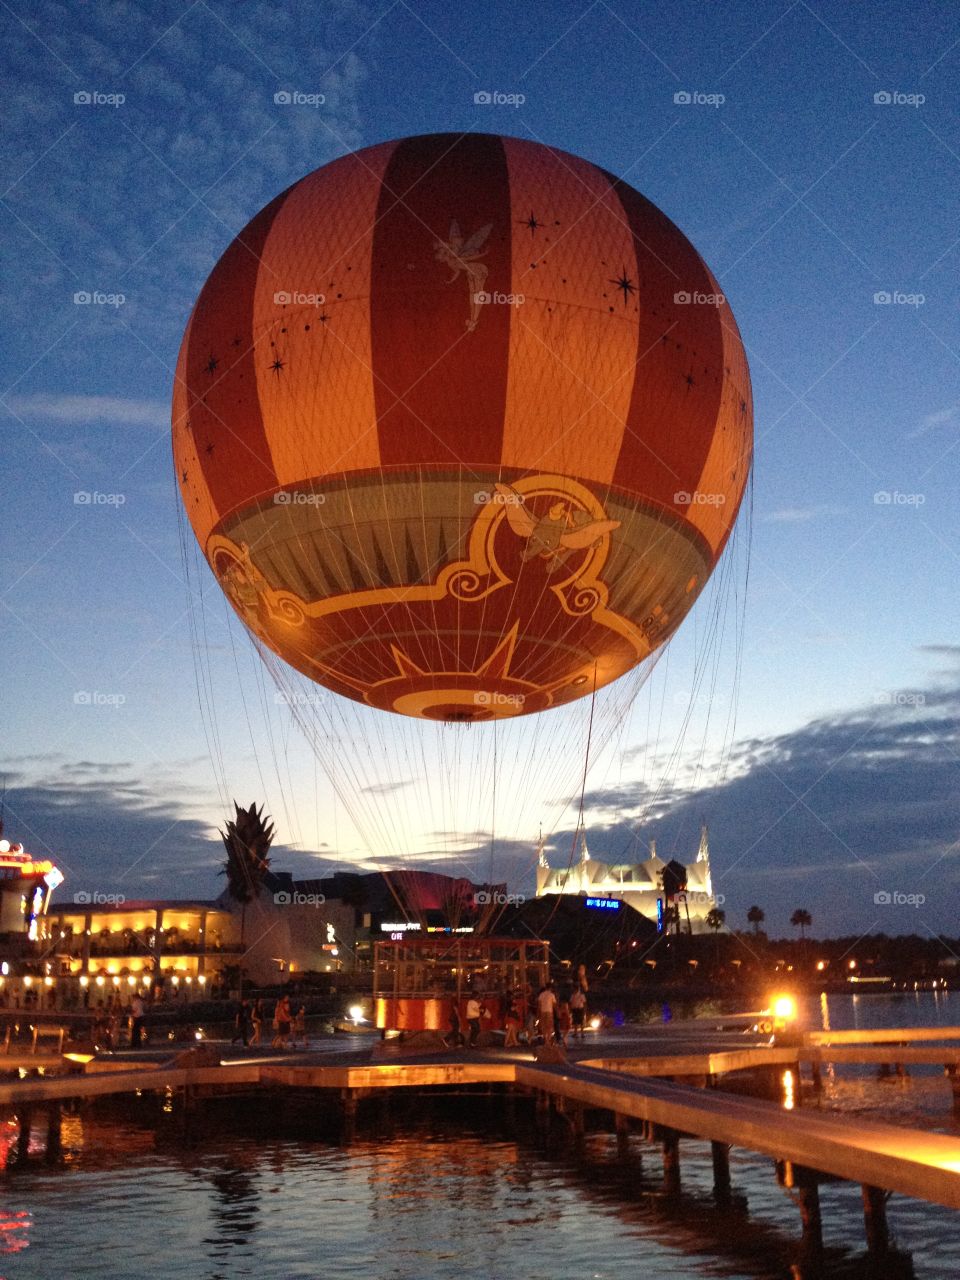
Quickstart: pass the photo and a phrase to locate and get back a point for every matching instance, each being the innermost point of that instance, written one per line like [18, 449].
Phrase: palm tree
[756, 916]
[247, 840]
[715, 919]
[801, 920]
[673, 879]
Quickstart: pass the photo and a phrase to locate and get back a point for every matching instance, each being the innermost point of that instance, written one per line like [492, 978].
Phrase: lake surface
[435, 1189]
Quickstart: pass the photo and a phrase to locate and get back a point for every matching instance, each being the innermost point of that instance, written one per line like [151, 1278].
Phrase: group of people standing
[250, 1018]
[560, 1015]
[550, 1015]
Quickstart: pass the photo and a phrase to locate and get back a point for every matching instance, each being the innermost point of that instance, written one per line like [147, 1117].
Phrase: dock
[666, 1098]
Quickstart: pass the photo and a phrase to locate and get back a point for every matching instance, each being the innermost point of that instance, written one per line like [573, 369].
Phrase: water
[441, 1188]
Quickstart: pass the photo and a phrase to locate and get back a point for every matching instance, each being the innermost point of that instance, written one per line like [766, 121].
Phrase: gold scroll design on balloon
[558, 519]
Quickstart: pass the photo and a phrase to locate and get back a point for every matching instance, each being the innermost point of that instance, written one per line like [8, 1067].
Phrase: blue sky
[807, 197]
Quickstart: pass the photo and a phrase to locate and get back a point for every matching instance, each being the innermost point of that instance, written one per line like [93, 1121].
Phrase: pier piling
[670, 1142]
[720, 1152]
[875, 1221]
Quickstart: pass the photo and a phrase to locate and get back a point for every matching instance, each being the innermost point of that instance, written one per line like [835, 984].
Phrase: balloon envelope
[462, 424]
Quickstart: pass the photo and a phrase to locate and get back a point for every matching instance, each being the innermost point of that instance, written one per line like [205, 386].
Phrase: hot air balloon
[462, 424]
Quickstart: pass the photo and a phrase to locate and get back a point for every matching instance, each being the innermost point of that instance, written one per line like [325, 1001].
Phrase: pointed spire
[584, 851]
[703, 853]
[541, 852]
[653, 848]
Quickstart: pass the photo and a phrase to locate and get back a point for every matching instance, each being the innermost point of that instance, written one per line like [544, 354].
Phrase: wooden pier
[665, 1097]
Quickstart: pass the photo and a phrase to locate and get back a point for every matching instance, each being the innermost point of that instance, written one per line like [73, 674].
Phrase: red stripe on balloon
[224, 412]
[440, 360]
[679, 379]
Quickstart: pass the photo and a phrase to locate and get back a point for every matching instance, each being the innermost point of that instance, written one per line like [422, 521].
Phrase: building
[100, 945]
[93, 949]
[639, 884]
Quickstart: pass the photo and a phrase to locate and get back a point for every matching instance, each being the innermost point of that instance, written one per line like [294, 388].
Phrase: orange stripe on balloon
[194, 490]
[311, 315]
[680, 373]
[219, 358]
[573, 338]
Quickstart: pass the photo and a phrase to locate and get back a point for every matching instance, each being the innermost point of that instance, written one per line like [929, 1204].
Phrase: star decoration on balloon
[624, 284]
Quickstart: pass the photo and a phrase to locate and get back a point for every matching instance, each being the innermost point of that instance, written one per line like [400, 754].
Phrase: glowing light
[202, 980]
[100, 979]
[852, 964]
[356, 1012]
[789, 1091]
[821, 965]
[84, 980]
[785, 1007]
[28, 981]
[595, 1023]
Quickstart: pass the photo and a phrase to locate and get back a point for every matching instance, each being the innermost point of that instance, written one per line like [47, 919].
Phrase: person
[454, 1037]
[136, 1022]
[256, 1020]
[512, 1021]
[564, 1020]
[282, 1018]
[242, 1022]
[578, 1012]
[547, 1012]
[474, 1014]
[300, 1026]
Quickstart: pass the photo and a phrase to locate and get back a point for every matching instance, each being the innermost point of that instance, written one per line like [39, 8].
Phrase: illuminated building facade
[639, 884]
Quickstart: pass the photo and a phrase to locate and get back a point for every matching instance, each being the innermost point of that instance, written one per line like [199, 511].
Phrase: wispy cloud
[78, 410]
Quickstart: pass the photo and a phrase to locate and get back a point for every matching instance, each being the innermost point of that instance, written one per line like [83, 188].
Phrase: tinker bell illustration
[462, 255]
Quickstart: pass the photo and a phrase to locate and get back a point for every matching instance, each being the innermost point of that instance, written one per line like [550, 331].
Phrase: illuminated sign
[400, 926]
[604, 904]
[659, 915]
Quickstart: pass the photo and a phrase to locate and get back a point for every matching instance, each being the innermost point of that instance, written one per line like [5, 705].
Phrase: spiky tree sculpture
[247, 840]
